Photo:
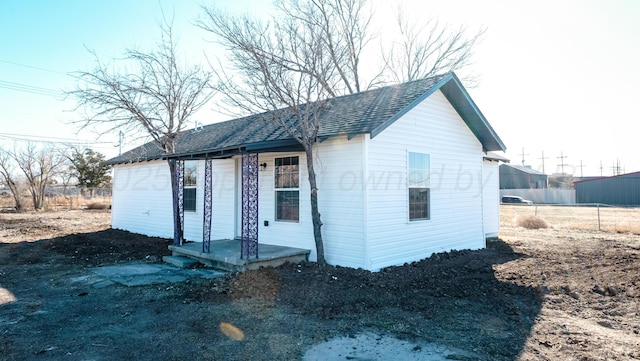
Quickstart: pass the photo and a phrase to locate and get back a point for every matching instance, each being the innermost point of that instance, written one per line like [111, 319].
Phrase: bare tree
[427, 48]
[157, 99]
[289, 67]
[40, 166]
[280, 72]
[10, 179]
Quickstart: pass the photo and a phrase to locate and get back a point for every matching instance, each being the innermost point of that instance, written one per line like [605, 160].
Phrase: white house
[403, 172]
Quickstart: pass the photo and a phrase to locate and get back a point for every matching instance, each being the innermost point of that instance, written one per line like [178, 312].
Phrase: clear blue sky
[556, 76]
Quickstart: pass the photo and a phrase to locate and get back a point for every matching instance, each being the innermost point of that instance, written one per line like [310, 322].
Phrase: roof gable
[368, 112]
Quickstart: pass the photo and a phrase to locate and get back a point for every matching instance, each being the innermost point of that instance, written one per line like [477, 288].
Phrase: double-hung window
[418, 184]
[287, 188]
[190, 185]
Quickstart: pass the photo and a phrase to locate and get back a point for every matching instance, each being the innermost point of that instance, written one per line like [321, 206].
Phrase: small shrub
[531, 222]
[626, 227]
[97, 205]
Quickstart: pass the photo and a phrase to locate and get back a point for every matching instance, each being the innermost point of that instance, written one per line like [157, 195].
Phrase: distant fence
[65, 198]
[595, 217]
[543, 196]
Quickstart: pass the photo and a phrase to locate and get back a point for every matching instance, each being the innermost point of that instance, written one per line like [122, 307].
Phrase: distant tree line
[29, 170]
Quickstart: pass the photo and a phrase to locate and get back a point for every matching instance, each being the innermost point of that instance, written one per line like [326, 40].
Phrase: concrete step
[179, 261]
[225, 255]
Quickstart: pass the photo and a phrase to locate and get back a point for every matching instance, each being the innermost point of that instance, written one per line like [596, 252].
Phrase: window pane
[287, 172]
[418, 203]
[287, 205]
[189, 199]
[419, 172]
[190, 174]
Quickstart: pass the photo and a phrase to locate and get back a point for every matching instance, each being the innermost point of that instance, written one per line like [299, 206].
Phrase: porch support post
[206, 223]
[249, 242]
[176, 169]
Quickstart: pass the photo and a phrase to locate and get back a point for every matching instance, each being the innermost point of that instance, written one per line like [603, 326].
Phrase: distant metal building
[519, 177]
[621, 190]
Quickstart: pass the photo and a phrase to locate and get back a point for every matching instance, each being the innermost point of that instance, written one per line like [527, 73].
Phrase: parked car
[514, 200]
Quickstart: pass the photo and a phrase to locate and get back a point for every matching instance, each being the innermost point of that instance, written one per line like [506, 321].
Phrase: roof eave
[457, 95]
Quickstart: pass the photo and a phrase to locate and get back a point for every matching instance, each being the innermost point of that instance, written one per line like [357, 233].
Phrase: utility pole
[523, 154]
[562, 163]
[581, 165]
[615, 169]
[618, 166]
[600, 168]
[120, 141]
[542, 158]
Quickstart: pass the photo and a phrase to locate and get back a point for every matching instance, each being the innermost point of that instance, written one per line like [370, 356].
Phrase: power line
[34, 67]
[45, 139]
[29, 89]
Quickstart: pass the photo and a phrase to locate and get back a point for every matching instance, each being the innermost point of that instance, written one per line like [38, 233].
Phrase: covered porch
[226, 255]
[244, 252]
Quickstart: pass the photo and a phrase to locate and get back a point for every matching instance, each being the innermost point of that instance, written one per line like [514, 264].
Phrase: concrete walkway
[373, 347]
[139, 274]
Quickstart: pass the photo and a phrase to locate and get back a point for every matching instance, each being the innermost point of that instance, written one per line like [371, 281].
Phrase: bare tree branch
[428, 48]
[157, 98]
[288, 68]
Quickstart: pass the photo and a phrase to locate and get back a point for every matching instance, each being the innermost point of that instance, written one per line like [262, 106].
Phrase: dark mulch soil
[512, 300]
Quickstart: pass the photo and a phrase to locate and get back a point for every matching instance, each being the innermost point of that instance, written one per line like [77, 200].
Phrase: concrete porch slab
[225, 255]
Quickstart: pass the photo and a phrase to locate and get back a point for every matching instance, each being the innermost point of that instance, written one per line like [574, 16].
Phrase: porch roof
[368, 112]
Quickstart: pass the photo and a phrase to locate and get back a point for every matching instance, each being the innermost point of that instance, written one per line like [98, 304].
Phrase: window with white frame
[287, 188]
[419, 186]
[190, 185]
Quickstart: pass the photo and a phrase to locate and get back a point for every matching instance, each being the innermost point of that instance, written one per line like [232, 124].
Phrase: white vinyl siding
[338, 166]
[341, 197]
[490, 198]
[432, 127]
[142, 199]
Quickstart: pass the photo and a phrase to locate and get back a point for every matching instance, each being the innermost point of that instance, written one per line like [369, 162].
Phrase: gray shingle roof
[368, 112]
[524, 169]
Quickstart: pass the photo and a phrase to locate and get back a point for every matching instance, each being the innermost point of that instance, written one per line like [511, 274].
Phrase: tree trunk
[34, 199]
[17, 198]
[315, 213]
[177, 226]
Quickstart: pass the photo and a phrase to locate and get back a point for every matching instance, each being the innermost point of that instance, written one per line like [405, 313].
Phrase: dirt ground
[550, 294]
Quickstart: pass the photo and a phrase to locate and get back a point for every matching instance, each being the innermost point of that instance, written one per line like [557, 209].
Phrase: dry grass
[531, 222]
[61, 203]
[97, 205]
[608, 219]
